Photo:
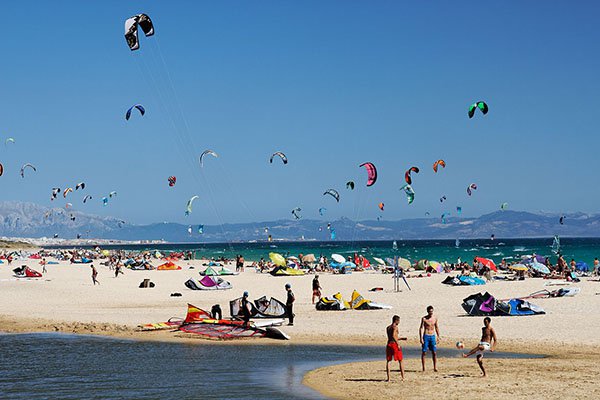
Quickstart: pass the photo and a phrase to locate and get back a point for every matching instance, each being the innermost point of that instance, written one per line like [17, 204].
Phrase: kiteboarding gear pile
[486, 305]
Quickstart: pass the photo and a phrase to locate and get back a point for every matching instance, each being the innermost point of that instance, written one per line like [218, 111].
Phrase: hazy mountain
[34, 221]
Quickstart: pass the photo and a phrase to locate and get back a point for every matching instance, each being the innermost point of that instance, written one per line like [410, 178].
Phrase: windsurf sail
[556, 244]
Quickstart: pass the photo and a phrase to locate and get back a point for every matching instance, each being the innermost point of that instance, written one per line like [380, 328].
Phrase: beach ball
[460, 345]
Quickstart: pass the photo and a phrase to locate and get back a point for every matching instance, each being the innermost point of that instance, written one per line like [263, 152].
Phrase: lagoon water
[61, 366]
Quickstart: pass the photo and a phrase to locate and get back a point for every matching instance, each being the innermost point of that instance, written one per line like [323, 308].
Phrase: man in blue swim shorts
[429, 334]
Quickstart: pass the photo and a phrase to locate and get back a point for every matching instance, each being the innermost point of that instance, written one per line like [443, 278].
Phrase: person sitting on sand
[392, 349]
[427, 335]
[487, 343]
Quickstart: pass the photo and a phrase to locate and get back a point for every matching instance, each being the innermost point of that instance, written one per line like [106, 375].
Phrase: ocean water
[61, 366]
[581, 249]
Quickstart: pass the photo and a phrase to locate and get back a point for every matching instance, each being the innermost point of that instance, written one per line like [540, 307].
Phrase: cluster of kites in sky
[143, 22]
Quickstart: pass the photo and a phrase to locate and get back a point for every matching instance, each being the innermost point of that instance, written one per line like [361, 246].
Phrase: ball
[460, 345]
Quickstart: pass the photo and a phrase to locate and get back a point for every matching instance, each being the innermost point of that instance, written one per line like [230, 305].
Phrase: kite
[371, 173]
[138, 107]
[440, 163]
[131, 29]
[201, 229]
[333, 235]
[427, 214]
[205, 152]
[112, 194]
[471, 187]
[280, 155]
[86, 198]
[481, 105]
[410, 193]
[190, 202]
[25, 166]
[444, 215]
[296, 212]
[503, 206]
[55, 192]
[381, 205]
[190, 230]
[333, 193]
[1, 169]
[350, 185]
[458, 209]
[68, 205]
[407, 176]
[562, 220]
[80, 185]
[9, 140]
[442, 199]
[172, 181]
[322, 211]
[105, 201]
[66, 192]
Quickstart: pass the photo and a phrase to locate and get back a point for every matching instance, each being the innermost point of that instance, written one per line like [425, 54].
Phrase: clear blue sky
[331, 83]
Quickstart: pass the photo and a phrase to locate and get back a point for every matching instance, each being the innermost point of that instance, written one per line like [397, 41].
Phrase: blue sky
[332, 84]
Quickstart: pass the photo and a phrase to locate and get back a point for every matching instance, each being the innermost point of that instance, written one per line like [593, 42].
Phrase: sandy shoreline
[65, 300]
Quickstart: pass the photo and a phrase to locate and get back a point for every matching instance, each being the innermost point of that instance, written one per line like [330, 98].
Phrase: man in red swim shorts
[392, 350]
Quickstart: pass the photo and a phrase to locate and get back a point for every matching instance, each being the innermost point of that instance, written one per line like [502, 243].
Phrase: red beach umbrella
[487, 262]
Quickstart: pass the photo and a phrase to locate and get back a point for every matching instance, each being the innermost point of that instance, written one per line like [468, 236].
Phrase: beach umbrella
[582, 266]
[436, 265]
[379, 261]
[538, 267]
[309, 258]
[105, 253]
[487, 262]
[403, 263]
[293, 258]
[338, 258]
[518, 267]
[421, 264]
[277, 259]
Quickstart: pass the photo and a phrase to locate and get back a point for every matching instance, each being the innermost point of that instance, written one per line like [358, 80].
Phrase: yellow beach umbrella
[277, 259]
[518, 267]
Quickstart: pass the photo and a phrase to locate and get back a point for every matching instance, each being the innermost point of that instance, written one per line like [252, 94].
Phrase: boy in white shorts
[488, 343]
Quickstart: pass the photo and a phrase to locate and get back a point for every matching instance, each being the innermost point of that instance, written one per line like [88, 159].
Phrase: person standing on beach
[43, 265]
[392, 349]
[246, 312]
[428, 333]
[94, 275]
[316, 286]
[289, 304]
[487, 343]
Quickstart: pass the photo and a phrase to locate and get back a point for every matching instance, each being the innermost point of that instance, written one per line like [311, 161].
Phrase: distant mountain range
[30, 220]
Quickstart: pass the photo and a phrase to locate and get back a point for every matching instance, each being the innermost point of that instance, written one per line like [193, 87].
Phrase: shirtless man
[392, 349]
[427, 334]
[488, 343]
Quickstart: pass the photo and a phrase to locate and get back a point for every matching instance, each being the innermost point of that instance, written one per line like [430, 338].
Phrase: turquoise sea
[581, 249]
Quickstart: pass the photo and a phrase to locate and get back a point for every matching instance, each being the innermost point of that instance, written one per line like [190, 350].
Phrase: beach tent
[262, 308]
[358, 302]
[338, 258]
[285, 271]
[168, 266]
[486, 305]
[26, 272]
[208, 283]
